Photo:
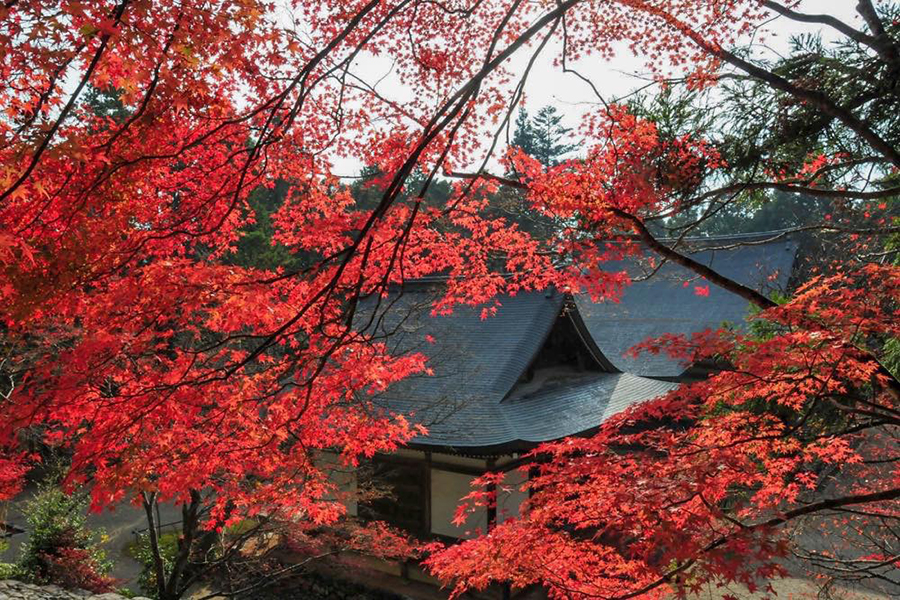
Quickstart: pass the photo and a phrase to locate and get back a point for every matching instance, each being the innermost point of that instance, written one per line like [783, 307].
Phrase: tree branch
[885, 46]
[45, 143]
[834, 23]
[654, 244]
[815, 98]
[891, 494]
[709, 274]
[189, 523]
[149, 501]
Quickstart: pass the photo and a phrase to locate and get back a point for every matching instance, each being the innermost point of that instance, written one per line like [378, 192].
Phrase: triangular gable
[481, 396]
[471, 357]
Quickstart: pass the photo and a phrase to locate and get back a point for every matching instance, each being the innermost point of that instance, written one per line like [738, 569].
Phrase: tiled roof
[669, 303]
[473, 399]
[472, 358]
[569, 408]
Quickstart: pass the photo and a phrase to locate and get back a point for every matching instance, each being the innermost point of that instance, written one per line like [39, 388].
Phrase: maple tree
[793, 441]
[698, 486]
[170, 371]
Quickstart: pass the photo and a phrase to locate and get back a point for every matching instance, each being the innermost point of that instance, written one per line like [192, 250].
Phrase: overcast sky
[618, 77]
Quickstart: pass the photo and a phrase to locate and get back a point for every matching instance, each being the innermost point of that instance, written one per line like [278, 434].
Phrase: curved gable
[668, 302]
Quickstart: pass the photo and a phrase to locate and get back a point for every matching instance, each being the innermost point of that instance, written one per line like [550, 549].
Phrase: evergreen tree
[107, 102]
[550, 136]
[523, 136]
[368, 194]
[542, 136]
[255, 248]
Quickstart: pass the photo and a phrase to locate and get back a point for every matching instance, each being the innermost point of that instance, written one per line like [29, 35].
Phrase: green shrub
[9, 571]
[61, 550]
[140, 551]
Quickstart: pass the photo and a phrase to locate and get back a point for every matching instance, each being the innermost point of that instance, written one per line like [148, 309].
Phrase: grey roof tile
[663, 304]
[473, 400]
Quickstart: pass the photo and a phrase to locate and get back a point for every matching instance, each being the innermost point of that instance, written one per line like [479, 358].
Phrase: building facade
[546, 365]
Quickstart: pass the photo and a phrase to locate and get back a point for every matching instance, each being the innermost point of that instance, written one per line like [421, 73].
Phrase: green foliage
[892, 356]
[523, 136]
[678, 112]
[255, 248]
[142, 553]
[542, 136]
[892, 346]
[760, 328]
[762, 123]
[367, 192]
[241, 527]
[763, 133]
[107, 102]
[61, 549]
[10, 571]
[675, 111]
[767, 212]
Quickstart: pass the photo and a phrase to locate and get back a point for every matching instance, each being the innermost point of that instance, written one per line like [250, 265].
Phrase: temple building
[547, 365]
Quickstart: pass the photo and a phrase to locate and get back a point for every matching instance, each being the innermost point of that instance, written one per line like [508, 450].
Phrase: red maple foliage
[162, 371]
[76, 568]
[697, 486]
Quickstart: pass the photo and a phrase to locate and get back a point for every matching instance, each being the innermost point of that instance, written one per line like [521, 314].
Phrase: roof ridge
[779, 237]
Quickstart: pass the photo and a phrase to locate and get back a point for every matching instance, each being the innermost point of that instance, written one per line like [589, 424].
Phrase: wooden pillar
[428, 492]
[492, 491]
[492, 517]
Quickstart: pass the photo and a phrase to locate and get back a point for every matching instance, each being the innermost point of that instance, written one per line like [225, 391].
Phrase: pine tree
[523, 136]
[542, 136]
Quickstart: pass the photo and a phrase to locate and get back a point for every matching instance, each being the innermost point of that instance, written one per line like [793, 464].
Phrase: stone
[17, 590]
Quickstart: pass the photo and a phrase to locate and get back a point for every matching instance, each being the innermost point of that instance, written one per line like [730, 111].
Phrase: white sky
[547, 83]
